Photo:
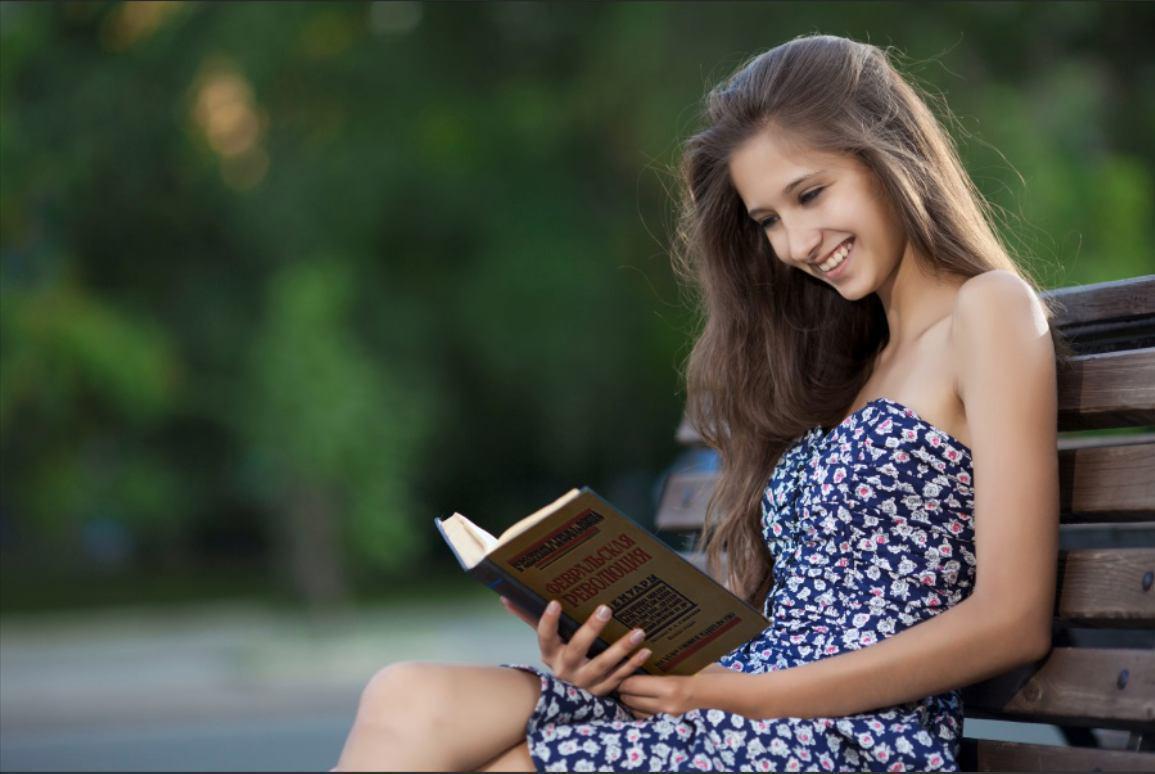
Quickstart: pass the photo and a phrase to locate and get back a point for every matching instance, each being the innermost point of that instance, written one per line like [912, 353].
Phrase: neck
[915, 300]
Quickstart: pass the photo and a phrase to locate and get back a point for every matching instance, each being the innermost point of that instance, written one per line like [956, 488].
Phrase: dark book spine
[492, 575]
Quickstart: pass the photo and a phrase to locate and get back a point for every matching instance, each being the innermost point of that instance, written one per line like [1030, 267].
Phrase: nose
[803, 245]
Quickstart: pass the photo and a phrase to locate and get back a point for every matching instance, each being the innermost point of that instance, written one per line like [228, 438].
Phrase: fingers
[547, 636]
[612, 655]
[627, 668]
[579, 645]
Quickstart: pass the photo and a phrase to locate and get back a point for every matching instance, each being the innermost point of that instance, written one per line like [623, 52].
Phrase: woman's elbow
[1030, 631]
[1037, 648]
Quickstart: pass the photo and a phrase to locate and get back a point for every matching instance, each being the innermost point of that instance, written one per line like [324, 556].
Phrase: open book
[582, 552]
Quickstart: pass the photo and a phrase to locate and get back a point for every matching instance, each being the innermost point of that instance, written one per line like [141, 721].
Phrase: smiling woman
[879, 379]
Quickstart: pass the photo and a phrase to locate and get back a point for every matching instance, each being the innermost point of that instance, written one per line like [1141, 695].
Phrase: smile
[838, 257]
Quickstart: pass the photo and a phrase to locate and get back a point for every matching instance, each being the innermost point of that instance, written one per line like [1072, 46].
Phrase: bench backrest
[1101, 672]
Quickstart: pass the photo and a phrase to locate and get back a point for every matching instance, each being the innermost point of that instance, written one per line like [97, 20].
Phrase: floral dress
[870, 526]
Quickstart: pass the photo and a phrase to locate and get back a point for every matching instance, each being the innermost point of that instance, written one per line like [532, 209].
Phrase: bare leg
[514, 759]
[417, 716]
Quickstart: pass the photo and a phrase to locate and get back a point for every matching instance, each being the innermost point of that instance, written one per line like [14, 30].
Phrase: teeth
[836, 259]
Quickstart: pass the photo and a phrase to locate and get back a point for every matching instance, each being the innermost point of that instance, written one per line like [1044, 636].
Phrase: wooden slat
[1104, 302]
[1094, 687]
[1105, 587]
[1112, 389]
[1096, 484]
[989, 755]
[1107, 483]
[1096, 587]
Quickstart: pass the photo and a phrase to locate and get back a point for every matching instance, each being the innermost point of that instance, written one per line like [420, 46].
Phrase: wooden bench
[1098, 682]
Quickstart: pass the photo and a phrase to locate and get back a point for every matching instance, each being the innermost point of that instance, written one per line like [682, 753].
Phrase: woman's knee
[404, 693]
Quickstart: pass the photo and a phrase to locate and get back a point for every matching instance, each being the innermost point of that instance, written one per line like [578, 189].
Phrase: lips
[817, 264]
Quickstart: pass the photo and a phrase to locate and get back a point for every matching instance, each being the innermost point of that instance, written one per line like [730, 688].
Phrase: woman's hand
[646, 695]
[599, 675]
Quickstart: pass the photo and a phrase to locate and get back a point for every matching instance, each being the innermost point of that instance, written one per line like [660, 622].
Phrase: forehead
[767, 162]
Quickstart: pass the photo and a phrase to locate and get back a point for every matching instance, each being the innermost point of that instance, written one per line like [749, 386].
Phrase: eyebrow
[754, 213]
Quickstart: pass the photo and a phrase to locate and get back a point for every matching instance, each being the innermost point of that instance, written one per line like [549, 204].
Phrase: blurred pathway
[224, 687]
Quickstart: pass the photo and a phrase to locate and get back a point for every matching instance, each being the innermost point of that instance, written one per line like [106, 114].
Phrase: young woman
[879, 379]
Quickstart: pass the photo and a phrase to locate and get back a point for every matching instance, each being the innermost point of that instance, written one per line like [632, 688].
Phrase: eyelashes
[806, 198]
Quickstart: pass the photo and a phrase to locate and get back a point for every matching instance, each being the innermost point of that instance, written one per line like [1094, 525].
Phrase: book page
[470, 541]
[536, 516]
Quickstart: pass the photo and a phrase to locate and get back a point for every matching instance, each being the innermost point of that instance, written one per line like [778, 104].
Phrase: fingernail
[554, 606]
[645, 653]
[604, 613]
[637, 637]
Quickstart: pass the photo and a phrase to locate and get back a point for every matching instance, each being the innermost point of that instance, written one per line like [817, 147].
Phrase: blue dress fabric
[870, 526]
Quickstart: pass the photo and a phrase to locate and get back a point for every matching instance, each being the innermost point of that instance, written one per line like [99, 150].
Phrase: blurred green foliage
[281, 282]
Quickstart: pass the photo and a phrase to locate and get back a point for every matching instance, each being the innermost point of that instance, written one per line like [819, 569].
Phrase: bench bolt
[1147, 578]
[1121, 683]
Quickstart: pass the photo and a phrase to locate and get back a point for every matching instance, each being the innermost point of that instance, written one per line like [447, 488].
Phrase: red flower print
[945, 549]
[964, 478]
[934, 760]
[952, 455]
[897, 766]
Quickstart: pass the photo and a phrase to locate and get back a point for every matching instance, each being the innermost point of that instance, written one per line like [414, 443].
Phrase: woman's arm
[1008, 384]
[970, 642]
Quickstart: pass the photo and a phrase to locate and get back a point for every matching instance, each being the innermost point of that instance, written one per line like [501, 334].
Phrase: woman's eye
[805, 198]
[810, 196]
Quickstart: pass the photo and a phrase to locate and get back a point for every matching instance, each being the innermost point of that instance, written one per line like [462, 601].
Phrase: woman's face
[811, 205]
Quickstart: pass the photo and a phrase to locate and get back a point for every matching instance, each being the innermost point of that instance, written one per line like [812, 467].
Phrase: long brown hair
[780, 351]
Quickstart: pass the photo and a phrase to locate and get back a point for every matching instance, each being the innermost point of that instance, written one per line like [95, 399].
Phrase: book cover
[583, 552]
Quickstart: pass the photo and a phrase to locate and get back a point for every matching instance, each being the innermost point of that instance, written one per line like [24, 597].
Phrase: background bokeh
[279, 283]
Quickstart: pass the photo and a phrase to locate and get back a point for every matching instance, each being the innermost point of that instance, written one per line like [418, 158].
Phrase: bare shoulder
[998, 319]
[998, 293]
